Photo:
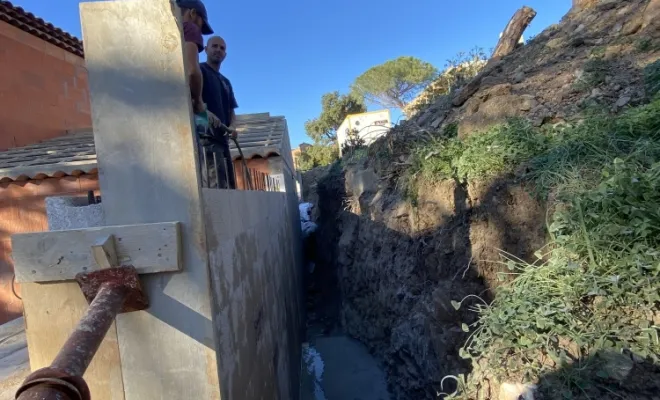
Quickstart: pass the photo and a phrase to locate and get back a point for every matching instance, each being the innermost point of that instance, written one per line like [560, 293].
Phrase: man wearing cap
[195, 24]
[218, 95]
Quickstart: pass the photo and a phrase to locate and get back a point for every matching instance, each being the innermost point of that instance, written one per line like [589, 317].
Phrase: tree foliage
[335, 108]
[458, 72]
[394, 83]
[318, 155]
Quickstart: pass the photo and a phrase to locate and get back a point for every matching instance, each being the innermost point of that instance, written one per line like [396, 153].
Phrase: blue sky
[284, 55]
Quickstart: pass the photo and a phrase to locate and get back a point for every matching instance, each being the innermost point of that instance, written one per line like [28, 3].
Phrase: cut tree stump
[507, 43]
[513, 31]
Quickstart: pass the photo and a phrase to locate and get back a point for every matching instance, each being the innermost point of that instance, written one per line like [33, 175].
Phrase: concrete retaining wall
[254, 257]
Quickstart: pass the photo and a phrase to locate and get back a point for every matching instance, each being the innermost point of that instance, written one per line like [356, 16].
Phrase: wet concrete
[341, 368]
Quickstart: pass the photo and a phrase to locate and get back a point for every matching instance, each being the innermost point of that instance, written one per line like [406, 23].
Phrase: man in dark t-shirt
[218, 95]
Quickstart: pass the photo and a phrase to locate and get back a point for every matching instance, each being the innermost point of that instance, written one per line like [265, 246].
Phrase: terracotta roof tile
[36, 26]
[72, 154]
[260, 135]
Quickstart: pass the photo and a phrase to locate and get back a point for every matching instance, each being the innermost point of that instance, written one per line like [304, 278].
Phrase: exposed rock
[519, 77]
[606, 5]
[652, 15]
[623, 100]
[494, 110]
[517, 391]
[528, 102]
[436, 123]
[556, 43]
[561, 68]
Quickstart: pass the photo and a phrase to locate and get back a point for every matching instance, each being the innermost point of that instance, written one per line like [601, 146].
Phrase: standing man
[195, 24]
[218, 95]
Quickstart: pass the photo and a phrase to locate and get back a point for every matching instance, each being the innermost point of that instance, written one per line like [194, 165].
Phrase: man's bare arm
[194, 72]
[232, 119]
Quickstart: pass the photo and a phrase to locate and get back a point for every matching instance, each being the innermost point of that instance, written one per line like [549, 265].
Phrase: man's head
[216, 50]
[195, 12]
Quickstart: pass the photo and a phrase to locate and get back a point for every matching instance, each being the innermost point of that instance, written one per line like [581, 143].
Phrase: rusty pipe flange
[51, 383]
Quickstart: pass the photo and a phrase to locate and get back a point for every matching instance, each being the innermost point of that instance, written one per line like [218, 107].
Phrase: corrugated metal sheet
[36, 26]
[260, 135]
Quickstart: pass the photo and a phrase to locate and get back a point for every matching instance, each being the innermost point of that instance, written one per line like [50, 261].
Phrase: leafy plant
[497, 151]
[594, 289]
[577, 153]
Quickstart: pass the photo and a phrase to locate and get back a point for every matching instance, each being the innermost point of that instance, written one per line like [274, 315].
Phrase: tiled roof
[72, 154]
[260, 135]
[36, 26]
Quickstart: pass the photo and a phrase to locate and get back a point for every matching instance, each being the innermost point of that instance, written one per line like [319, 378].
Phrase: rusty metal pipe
[63, 379]
[79, 349]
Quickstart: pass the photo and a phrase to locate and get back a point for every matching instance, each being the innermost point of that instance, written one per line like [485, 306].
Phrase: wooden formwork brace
[109, 288]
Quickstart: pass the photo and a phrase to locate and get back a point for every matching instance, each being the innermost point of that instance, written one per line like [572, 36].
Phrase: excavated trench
[335, 366]
[387, 272]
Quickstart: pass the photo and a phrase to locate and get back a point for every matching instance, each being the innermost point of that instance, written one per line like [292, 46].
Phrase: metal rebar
[205, 172]
[226, 164]
[217, 173]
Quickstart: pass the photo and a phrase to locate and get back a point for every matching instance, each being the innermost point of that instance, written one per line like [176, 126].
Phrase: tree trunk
[507, 43]
[514, 30]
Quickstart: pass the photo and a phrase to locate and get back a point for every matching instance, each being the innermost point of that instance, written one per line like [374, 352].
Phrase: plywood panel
[144, 142]
[255, 281]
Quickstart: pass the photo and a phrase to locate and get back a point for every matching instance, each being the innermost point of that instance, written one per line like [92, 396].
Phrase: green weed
[644, 44]
[597, 289]
[598, 52]
[594, 289]
[652, 79]
[494, 152]
[594, 73]
[576, 154]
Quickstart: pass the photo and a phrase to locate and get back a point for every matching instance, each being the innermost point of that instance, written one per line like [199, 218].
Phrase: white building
[369, 126]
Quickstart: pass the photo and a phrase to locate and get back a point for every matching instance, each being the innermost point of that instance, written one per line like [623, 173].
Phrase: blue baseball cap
[198, 6]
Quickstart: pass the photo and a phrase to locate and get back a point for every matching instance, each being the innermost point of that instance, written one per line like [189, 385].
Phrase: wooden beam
[144, 136]
[60, 255]
[105, 253]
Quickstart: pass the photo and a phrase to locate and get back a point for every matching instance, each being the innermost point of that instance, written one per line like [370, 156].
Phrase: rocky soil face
[399, 266]
[592, 57]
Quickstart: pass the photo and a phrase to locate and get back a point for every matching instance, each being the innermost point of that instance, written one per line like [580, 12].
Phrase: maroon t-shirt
[193, 33]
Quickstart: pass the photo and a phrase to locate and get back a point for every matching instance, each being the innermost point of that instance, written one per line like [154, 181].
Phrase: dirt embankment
[400, 265]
